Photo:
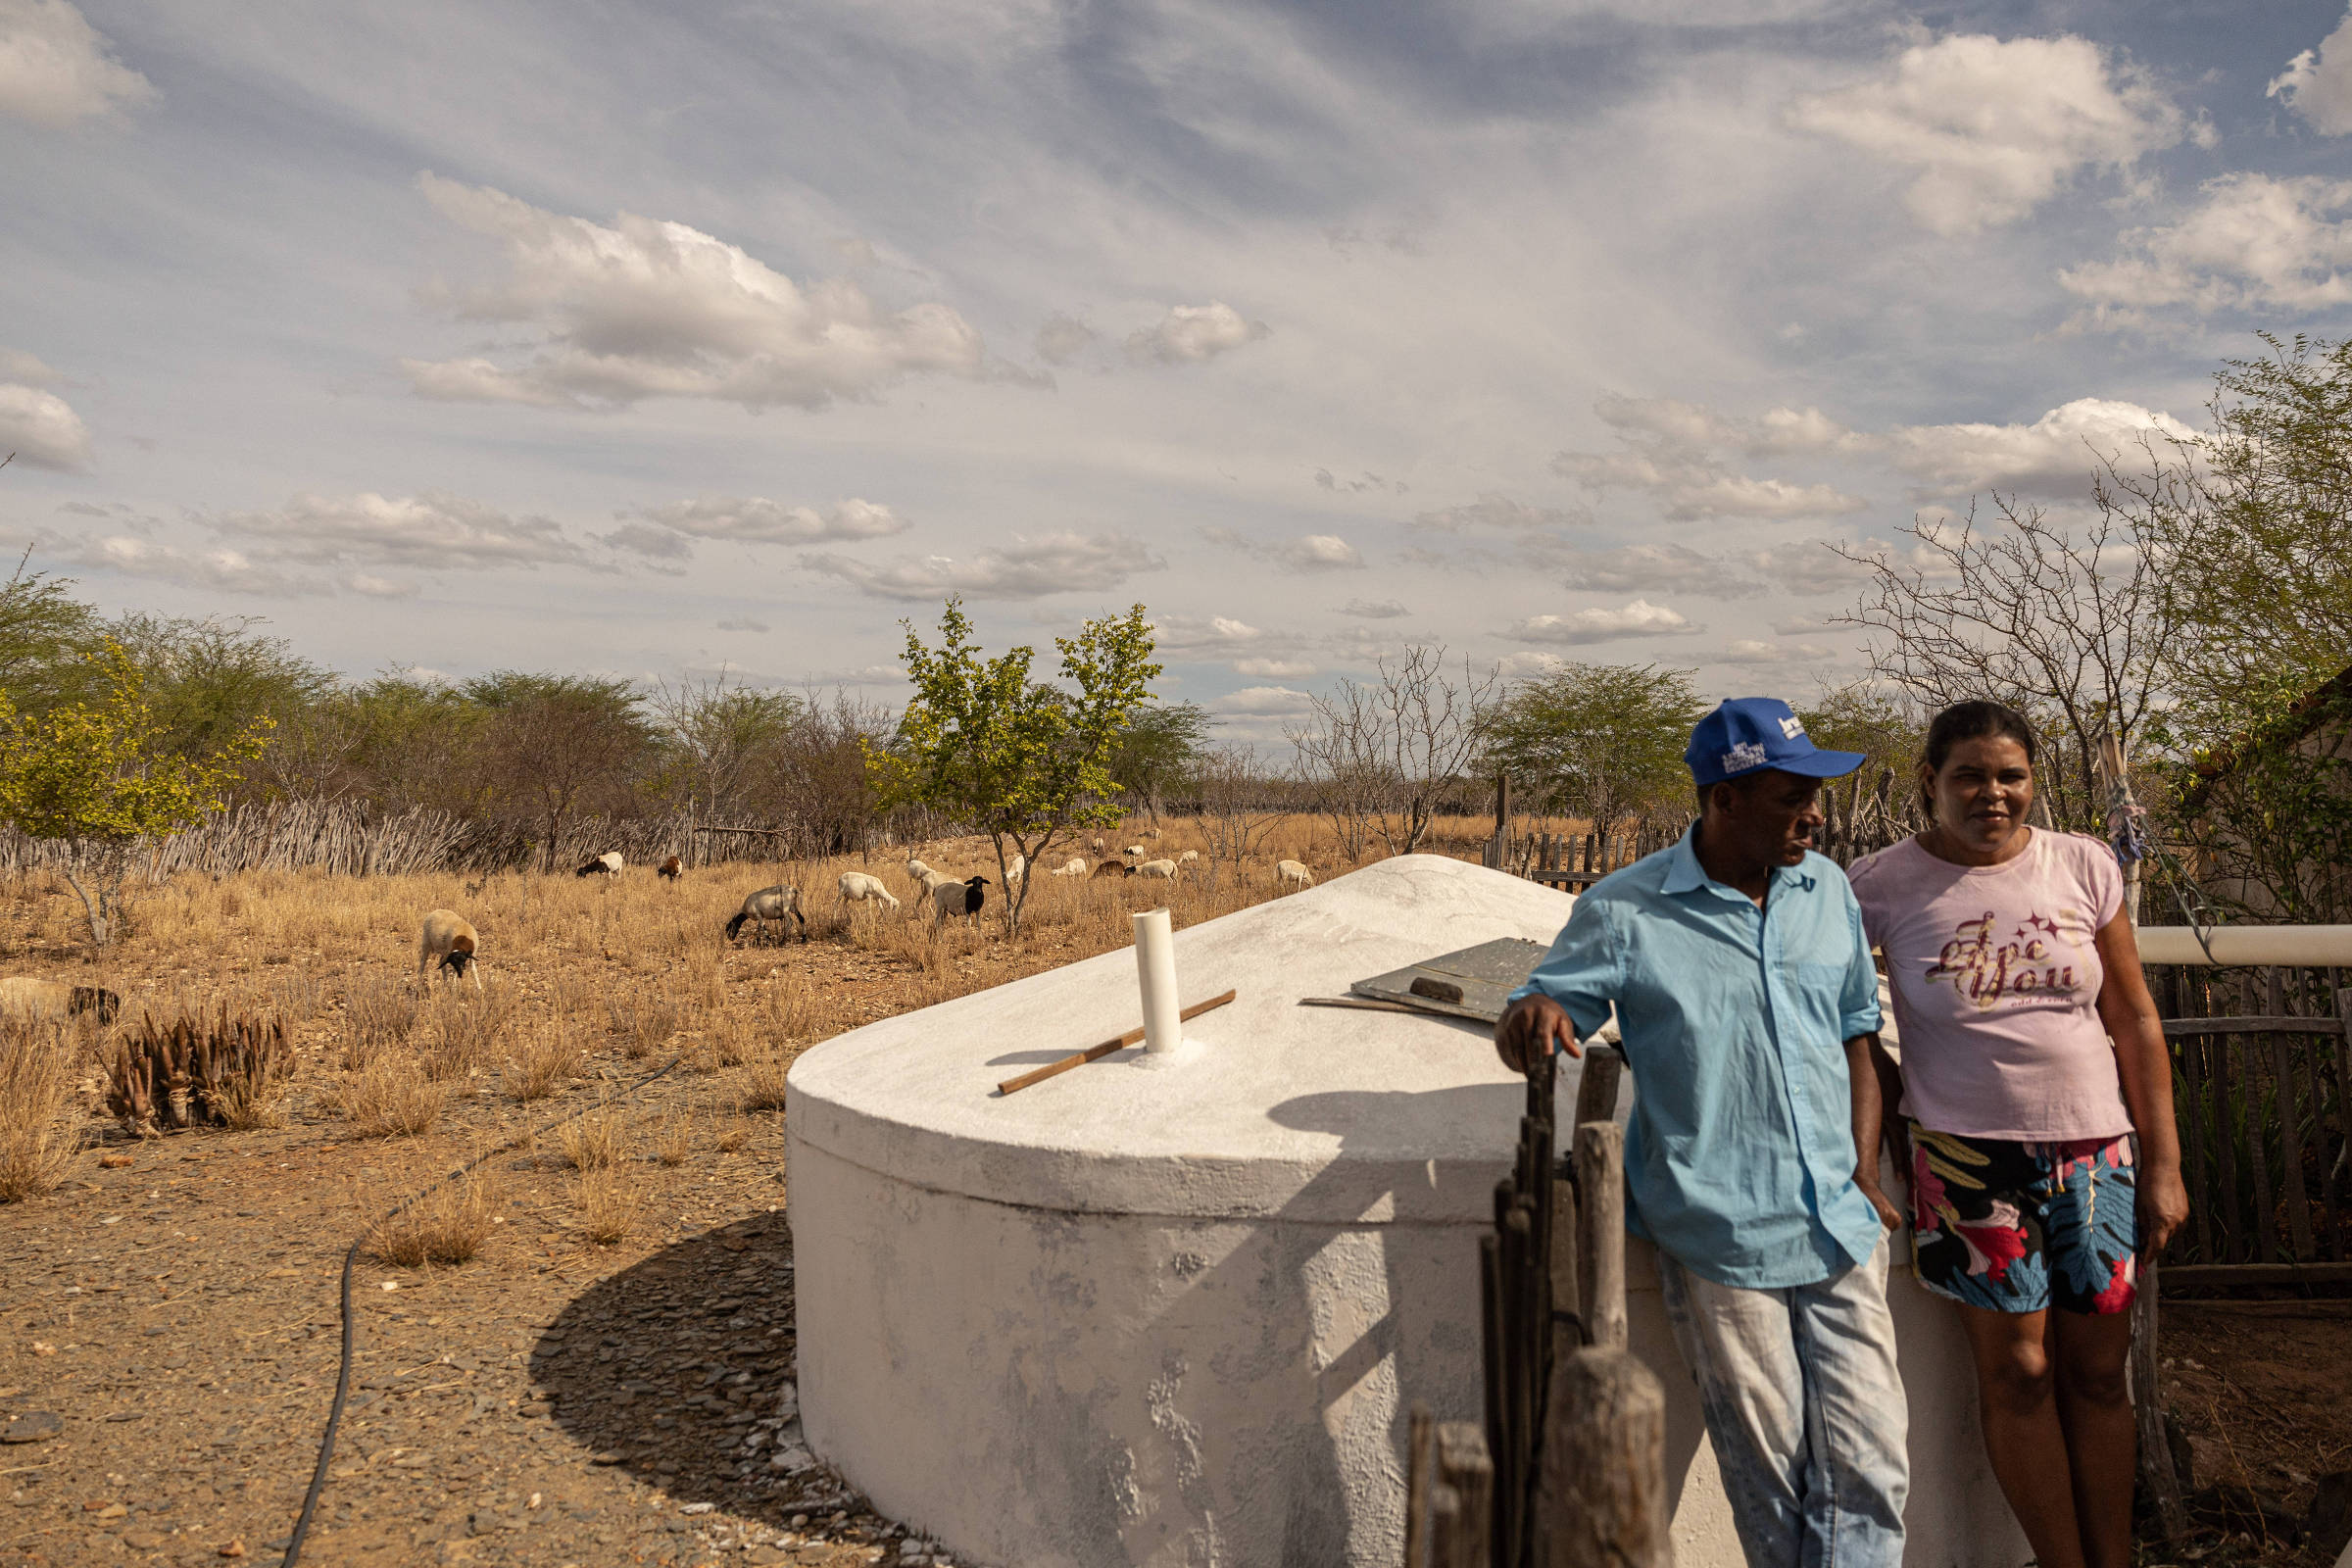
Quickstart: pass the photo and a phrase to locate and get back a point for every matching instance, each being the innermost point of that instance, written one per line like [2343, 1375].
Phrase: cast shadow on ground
[665, 1368]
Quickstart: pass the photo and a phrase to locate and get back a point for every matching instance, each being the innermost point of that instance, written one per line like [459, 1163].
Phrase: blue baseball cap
[1749, 734]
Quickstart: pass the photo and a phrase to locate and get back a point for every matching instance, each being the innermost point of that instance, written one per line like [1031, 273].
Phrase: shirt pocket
[1821, 988]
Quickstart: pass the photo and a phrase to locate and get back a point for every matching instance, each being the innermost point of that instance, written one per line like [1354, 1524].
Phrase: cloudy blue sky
[664, 340]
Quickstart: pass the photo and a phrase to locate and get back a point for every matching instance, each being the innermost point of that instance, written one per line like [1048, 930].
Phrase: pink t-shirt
[1995, 978]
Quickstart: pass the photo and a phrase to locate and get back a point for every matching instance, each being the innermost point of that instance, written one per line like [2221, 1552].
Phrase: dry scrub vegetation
[582, 979]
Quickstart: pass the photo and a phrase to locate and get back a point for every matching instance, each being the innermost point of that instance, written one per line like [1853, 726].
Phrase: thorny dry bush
[444, 1224]
[37, 1137]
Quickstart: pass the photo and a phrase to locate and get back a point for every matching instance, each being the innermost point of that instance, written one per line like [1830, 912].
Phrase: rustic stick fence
[1568, 1470]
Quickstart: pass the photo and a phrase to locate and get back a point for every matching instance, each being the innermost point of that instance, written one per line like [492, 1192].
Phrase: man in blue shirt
[1747, 1005]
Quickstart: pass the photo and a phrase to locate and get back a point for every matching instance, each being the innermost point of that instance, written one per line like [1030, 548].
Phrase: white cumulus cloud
[57, 70]
[1024, 568]
[40, 427]
[1640, 619]
[1264, 702]
[666, 531]
[1749, 651]
[1997, 127]
[644, 309]
[2053, 455]
[226, 571]
[1190, 334]
[2252, 242]
[434, 531]
[2317, 83]
[1274, 669]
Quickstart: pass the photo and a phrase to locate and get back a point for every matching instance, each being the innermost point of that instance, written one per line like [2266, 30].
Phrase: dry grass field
[583, 1353]
[578, 1355]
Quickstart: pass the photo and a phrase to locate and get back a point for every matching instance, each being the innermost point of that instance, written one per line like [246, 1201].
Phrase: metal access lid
[1485, 975]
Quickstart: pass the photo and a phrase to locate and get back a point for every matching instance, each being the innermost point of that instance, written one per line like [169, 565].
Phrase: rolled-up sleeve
[1583, 972]
[1859, 1002]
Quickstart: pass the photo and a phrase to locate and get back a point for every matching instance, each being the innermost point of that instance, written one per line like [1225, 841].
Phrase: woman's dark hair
[1974, 722]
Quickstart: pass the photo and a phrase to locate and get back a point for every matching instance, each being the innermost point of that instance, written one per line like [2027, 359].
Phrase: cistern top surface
[1316, 1115]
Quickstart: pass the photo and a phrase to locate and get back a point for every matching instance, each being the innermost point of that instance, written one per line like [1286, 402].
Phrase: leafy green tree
[714, 737]
[1880, 722]
[1599, 741]
[100, 775]
[44, 634]
[210, 678]
[1156, 748]
[1022, 761]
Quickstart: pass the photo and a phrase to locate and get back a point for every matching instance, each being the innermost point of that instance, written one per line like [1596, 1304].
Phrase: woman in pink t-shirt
[2031, 1054]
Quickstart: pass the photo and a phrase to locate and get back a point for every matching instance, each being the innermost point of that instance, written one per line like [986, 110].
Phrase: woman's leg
[2018, 1406]
[2094, 1407]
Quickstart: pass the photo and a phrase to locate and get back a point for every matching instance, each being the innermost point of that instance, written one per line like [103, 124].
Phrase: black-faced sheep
[671, 869]
[1112, 869]
[856, 887]
[55, 999]
[449, 940]
[770, 904]
[958, 898]
[607, 863]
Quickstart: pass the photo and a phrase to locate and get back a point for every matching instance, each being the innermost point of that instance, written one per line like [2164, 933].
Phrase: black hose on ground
[351, 1258]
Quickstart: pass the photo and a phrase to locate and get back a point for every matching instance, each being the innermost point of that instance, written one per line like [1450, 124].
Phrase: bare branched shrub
[390, 1097]
[542, 1060]
[37, 1137]
[447, 1225]
[608, 1203]
[376, 1013]
[595, 1141]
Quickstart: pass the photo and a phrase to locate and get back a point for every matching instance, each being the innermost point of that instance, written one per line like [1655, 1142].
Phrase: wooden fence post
[1596, 1085]
[1601, 1232]
[1461, 1506]
[1602, 1502]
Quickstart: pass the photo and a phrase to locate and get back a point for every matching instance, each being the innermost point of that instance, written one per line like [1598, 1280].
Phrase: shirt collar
[1684, 874]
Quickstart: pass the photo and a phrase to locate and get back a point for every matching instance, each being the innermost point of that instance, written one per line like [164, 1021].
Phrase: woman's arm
[2146, 1067]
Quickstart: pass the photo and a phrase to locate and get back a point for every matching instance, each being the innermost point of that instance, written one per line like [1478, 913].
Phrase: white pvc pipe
[1156, 969]
[2248, 944]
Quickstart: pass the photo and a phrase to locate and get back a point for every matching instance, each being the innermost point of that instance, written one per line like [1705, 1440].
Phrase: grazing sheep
[932, 881]
[607, 863]
[1094, 844]
[1133, 852]
[1159, 868]
[1075, 866]
[1112, 869]
[1290, 872]
[770, 904]
[1188, 856]
[918, 873]
[671, 869]
[958, 898]
[1152, 833]
[449, 939]
[857, 887]
[1017, 869]
[55, 999]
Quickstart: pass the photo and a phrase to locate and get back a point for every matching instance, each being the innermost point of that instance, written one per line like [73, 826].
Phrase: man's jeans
[1806, 1411]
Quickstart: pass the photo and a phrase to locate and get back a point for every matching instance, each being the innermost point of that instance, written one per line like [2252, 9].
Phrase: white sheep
[1188, 856]
[448, 939]
[1133, 852]
[1075, 866]
[1159, 868]
[1094, 844]
[770, 904]
[857, 887]
[1291, 873]
[1018, 869]
[607, 863]
[56, 1001]
[918, 872]
[1152, 833]
[931, 881]
[958, 898]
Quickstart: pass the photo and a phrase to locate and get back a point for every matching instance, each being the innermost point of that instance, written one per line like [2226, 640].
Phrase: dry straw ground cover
[598, 1319]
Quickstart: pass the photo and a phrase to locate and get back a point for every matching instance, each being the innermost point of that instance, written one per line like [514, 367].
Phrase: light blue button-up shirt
[1740, 1159]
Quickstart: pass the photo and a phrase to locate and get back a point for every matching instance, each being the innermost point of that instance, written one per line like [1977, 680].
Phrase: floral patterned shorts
[2016, 1227]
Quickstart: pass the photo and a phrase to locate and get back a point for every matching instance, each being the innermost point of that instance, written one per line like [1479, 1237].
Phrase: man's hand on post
[1534, 1027]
